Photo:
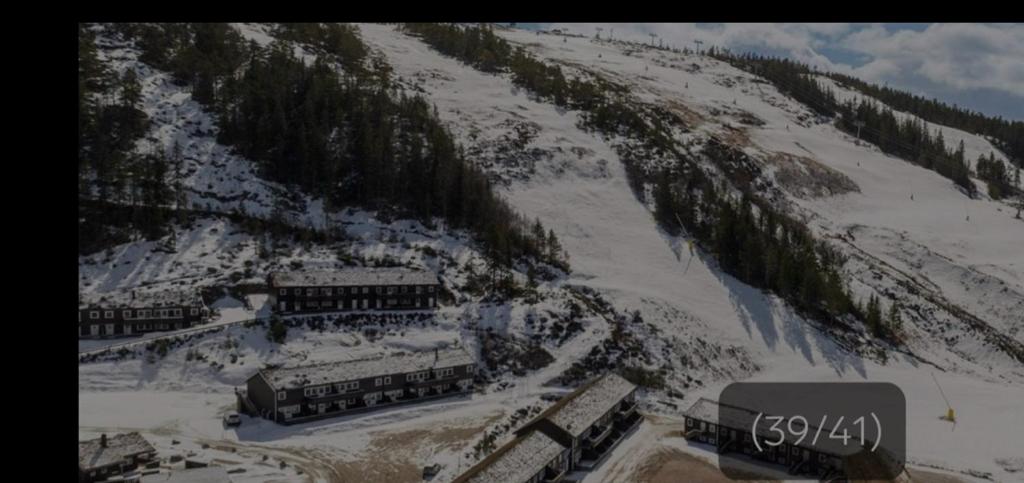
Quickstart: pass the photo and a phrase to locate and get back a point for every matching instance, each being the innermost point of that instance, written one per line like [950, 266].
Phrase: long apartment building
[133, 312]
[302, 393]
[353, 289]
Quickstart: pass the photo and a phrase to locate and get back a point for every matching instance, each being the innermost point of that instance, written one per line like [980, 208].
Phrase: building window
[284, 291]
[405, 289]
[108, 314]
[419, 289]
[317, 391]
[95, 314]
[325, 291]
[387, 379]
[126, 314]
[430, 289]
[391, 290]
[298, 291]
[313, 303]
[310, 292]
[347, 386]
[177, 312]
[281, 395]
[367, 290]
[144, 313]
[327, 303]
[376, 382]
[193, 311]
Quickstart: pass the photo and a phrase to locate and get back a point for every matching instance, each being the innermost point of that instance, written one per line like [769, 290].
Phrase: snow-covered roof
[210, 474]
[517, 461]
[580, 412]
[132, 299]
[92, 454]
[350, 370]
[743, 418]
[353, 276]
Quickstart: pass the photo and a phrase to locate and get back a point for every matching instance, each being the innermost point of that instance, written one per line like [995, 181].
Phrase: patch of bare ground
[691, 117]
[669, 465]
[398, 456]
[735, 136]
[806, 178]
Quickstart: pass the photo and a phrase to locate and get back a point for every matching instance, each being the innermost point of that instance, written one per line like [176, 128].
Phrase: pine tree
[131, 89]
[554, 248]
[895, 321]
[874, 316]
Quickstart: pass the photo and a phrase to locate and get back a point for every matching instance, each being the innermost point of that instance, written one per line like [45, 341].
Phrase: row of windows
[384, 380]
[142, 313]
[339, 388]
[391, 290]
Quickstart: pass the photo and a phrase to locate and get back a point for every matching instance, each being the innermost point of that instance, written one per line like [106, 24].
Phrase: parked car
[232, 419]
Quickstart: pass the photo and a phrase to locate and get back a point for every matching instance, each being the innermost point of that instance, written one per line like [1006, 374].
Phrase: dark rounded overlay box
[805, 431]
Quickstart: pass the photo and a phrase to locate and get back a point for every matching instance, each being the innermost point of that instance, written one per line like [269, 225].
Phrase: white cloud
[961, 56]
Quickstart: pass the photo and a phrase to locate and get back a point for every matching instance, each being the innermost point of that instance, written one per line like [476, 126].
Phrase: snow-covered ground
[573, 181]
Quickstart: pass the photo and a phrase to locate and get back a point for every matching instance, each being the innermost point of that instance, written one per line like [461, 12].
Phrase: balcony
[596, 439]
[554, 475]
[626, 413]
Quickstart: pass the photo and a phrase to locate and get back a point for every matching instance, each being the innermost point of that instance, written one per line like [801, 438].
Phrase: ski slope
[708, 328]
[615, 246]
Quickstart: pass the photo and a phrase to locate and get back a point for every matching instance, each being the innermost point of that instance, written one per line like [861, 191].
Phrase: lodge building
[104, 458]
[303, 393]
[353, 289]
[132, 312]
[728, 429]
[576, 433]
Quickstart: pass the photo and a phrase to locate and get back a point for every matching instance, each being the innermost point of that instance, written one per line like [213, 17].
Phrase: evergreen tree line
[352, 138]
[1000, 182]
[109, 124]
[908, 139]
[768, 249]
[1008, 135]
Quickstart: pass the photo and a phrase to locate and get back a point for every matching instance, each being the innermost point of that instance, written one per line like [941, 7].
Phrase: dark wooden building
[103, 457]
[531, 457]
[304, 393]
[353, 289]
[728, 429]
[133, 312]
[575, 433]
[591, 420]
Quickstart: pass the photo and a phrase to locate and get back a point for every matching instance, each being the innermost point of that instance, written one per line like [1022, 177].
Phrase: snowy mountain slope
[613, 241]
[198, 375]
[720, 100]
[702, 327]
[616, 247]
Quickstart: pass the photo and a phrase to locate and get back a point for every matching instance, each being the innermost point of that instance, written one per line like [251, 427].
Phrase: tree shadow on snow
[769, 315]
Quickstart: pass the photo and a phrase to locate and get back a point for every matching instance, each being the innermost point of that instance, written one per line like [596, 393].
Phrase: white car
[232, 419]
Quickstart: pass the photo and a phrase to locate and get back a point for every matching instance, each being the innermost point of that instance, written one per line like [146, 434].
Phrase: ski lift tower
[653, 36]
[859, 123]
[699, 43]
[599, 29]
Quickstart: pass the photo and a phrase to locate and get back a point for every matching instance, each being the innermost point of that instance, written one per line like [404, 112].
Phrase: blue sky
[976, 66]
